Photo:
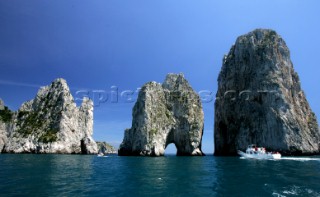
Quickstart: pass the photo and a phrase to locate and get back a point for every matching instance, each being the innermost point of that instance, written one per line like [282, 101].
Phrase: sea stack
[105, 148]
[165, 113]
[260, 100]
[50, 123]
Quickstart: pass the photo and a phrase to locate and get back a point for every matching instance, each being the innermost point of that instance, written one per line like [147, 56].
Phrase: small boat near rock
[100, 154]
[254, 152]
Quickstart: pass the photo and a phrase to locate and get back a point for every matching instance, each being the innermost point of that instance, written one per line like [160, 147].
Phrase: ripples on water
[83, 175]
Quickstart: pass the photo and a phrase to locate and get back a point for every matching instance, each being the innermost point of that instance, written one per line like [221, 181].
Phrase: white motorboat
[255, 152]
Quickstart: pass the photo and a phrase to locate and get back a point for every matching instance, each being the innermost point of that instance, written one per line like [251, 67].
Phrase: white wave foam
[300, 158]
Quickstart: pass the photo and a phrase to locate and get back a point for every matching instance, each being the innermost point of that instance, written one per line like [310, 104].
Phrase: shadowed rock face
[5, 124]
[260, 101]
[51, 123]
[165, 113]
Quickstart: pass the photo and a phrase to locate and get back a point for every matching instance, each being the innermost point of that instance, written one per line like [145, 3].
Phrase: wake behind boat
[255, 152]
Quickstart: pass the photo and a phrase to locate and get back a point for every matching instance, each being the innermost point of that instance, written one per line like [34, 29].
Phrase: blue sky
[98, 44]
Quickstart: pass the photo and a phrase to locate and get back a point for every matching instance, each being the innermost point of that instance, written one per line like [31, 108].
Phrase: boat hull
[260, 156]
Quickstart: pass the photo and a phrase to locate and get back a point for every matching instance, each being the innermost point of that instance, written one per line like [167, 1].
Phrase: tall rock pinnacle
[165, 113]
[260, 100]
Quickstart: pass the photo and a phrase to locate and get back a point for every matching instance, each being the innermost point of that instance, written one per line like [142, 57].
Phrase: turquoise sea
[89, 175]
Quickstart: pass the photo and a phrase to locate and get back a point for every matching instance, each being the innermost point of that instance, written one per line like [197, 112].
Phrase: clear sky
[97, 44]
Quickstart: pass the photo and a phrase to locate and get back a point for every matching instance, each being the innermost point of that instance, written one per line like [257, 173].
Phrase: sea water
[89, 175]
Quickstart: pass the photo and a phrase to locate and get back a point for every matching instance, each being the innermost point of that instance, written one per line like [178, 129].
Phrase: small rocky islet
[259, 101]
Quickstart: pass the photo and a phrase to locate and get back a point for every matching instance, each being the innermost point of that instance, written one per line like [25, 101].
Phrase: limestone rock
[260, 100]
[52, 123]
[3, 136]
[1, 104]
[5, 124]
[165, 113]
[106, 148]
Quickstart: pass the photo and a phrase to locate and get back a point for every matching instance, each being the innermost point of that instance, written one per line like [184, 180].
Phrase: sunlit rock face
[51, 123]
[165, 113]
[260, 100]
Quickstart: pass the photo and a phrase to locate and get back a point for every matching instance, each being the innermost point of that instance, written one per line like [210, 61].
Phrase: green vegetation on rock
[49, 136]
[153, 132]
[22, 113]
[6, 114]
[28, 122]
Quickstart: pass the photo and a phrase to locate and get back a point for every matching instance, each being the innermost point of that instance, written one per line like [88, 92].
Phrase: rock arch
[165, 113]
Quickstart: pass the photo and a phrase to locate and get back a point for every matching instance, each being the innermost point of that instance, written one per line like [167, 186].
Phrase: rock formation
[1, 104]
[106, 148]
[5, 123]
[3, 135]
[260, 100]
[164, 114]
[51, 123]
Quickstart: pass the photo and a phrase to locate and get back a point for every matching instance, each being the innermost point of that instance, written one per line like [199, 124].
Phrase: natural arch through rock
[163, 114]
[171, 149]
